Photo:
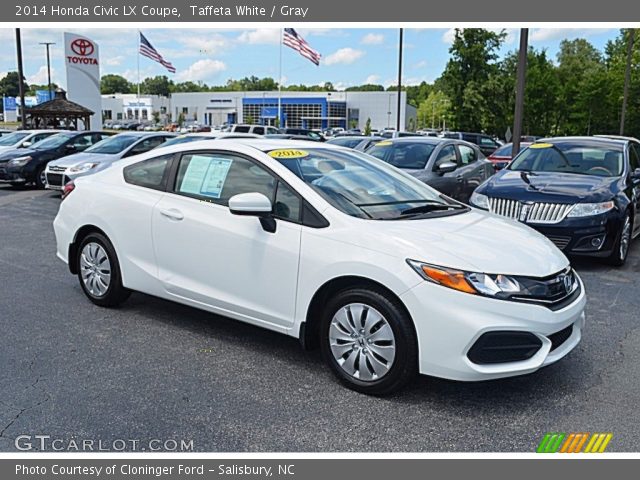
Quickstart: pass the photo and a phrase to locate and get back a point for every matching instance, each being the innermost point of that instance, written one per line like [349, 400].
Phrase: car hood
[16, 152]
[83, 157]
[549, 186]
[474, 241]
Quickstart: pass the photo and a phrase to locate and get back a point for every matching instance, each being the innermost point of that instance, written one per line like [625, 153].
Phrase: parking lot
[158, 370]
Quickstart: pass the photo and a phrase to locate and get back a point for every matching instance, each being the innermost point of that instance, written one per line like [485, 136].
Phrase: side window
[467, 154]
[446, 155]
[470, 138]
[241, 129]
[151, 173]
[38, 137]
[634, 157]
[82, 142]
[218, 177]
[287, 205]
[258, 130]
[146, 145]
[488, 142]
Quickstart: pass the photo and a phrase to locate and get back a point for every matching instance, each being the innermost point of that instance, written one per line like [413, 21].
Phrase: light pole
[627, 78]
[389, 112]
[23, 117]
[399, 79]
[521, 78]
[47, 45]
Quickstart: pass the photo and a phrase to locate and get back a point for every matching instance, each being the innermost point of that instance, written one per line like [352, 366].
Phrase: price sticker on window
[541, 145]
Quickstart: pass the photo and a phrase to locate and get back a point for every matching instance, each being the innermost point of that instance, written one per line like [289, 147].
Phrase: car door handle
[172, 213]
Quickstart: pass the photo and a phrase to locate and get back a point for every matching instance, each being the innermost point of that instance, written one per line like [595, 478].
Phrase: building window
[185, 110]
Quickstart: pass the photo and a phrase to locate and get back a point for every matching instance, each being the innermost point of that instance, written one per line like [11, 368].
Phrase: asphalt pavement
[154, 370]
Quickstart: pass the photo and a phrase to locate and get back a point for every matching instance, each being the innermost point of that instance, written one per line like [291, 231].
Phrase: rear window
[345, 141]
[413, 156]
[587, 158]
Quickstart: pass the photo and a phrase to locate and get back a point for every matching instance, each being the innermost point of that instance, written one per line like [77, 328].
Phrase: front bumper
[8, 175]
[449, 323]
[574, 236]
[56, 178]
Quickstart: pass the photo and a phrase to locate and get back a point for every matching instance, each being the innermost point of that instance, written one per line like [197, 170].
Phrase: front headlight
[479, 200]
[500, 286]
[19, 162]
[588, 209]
[85, 167]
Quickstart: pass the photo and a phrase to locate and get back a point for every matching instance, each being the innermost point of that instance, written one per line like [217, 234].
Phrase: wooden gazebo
[59, 113]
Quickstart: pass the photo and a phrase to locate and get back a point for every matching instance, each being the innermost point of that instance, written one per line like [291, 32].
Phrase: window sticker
[288, 153]
[205, 176]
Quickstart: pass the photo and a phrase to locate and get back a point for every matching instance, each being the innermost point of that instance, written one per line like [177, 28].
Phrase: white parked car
[23, 138]
[331, 246]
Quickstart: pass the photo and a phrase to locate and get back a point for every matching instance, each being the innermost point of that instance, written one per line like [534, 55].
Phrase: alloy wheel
[625, 238]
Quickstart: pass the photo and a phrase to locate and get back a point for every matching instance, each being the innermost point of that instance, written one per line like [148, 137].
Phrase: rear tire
[99, 271]
[368, 341]
[620, 251]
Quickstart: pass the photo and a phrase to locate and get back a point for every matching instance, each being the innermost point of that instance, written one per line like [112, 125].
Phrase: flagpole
[138, 58]
[280, 84]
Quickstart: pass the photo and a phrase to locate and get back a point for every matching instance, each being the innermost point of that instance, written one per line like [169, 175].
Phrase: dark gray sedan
[454, 167]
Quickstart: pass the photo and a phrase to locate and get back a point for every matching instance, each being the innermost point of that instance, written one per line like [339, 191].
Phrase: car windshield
[584, 158]
[364, 187]
[349, 142]
[408, 155]
[113, 145]
[54, 141]
[12, 138]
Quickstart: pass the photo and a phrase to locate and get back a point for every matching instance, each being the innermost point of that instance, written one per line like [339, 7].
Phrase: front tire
[368, 341]
[620, 251]
[41, 179]
[99, 271]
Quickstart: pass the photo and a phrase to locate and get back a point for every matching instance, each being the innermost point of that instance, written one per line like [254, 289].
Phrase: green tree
[110, 84]
[579, 63]
[466, 78]
[158, 85]
[34, 87]
[433, 109]
[367, 87]
[249, 119]
[10, 85]
[367, 127]
[189, 87]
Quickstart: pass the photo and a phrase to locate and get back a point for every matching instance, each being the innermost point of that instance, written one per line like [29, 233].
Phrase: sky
[349, 56]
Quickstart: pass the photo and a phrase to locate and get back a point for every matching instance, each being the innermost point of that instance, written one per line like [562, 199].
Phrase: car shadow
[556, 380]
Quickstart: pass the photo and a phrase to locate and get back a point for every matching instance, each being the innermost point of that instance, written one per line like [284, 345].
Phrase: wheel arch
[310, 329]
[73, 246]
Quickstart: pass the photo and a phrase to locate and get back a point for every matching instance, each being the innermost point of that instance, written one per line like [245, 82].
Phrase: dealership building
[316, 110]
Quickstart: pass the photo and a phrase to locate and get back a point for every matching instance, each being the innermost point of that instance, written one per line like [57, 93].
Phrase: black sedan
[454, 167]
[583, 193]
[27, 165]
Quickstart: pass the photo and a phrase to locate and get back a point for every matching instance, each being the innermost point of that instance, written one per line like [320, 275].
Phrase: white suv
[329, 245]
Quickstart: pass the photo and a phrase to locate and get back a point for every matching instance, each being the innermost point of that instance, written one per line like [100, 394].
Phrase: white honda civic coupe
[388, 276]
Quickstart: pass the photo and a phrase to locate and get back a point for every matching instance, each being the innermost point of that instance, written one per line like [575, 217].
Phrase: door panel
[471, 170]
[229, 262]
[448, 183]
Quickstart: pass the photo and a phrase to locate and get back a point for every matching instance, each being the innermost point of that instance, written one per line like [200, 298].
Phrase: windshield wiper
[431, 207]
[398, 202]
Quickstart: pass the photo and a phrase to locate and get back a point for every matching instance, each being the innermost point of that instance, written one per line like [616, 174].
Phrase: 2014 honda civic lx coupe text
[329, 245]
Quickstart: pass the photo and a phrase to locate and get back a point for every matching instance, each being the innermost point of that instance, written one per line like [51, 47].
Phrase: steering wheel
[602, 169]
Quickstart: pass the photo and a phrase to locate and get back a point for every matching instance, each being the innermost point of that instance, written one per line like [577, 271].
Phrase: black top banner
[295, 11]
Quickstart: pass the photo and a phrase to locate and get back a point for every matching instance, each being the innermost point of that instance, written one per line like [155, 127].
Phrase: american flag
[293, 40]
[148, 51]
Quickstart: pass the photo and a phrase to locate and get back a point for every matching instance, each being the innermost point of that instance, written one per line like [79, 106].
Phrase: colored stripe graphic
[573, 442]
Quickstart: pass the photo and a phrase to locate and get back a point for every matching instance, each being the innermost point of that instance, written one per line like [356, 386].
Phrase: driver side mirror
[636, 174]
[70, 148]
[254, 204]
[26, 144]
[446, 167]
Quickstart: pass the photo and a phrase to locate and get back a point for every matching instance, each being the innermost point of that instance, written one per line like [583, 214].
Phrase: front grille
[554, 292]
[558, 338]
[54, 178]
[529, 212]
[55, 168]
[560, 242]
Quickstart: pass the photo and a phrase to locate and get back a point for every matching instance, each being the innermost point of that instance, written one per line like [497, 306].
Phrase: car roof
[585, 138]
[267, 144]
[419, 139]
[143, 134]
